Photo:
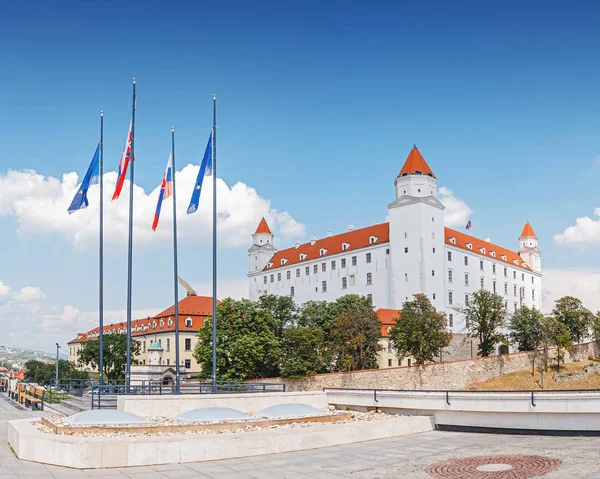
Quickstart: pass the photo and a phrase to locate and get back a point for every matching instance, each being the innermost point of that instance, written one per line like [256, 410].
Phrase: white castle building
[389, 262]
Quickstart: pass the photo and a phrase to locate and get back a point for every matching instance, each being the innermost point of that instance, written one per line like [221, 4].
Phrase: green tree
[596, 327]
[302, 352]
[420, 331]
[114, 350]
[557, 333]
[282, 308]
[485, 314]
[42, 373]
[578, 320]
[525, 328]
[247, 342]
[355, 333]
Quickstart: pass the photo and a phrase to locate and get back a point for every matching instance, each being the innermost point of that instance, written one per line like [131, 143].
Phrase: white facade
[413, 253]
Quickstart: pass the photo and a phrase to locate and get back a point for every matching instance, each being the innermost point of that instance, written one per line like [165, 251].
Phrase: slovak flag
[469, 225]
[166, 190]
[123, 164]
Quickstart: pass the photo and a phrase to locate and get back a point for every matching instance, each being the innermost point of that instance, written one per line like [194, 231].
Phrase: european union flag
[91, 178]
[205, 170]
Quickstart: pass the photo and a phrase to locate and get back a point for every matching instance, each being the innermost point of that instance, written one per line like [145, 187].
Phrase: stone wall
[446, 375]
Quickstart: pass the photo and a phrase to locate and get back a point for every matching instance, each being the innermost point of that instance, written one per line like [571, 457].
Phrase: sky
[319, 103]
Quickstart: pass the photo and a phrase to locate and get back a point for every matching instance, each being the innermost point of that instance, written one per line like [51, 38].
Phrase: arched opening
[503, 349]
[167, 381]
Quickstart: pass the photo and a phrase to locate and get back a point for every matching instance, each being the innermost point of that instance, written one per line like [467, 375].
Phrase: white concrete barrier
[547, 411]
[171, 405]
[99, 451]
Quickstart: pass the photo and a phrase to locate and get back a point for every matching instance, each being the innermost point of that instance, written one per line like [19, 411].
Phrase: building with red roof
[414, 252]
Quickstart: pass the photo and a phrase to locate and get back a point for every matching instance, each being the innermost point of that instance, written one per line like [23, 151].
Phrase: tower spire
[415, 164]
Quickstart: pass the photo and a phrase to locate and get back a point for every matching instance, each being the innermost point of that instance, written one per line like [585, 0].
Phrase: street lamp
[57, 348]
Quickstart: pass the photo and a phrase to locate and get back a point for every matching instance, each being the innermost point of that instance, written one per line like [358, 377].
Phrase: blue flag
[205, 170]
[91, 178]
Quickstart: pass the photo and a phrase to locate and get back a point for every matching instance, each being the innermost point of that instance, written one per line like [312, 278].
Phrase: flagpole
[101, 279]
[214, 299]
[130, 246]
[175, 276]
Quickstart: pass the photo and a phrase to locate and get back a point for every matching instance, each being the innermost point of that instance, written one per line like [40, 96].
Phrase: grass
[524, 380]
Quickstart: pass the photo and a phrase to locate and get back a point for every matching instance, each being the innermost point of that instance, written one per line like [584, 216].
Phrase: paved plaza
[404, 457]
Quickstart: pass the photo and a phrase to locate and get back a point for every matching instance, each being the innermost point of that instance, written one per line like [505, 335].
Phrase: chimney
[350, 227]
[297, 245]
[313, 240]
[488, 240]
[329, 234]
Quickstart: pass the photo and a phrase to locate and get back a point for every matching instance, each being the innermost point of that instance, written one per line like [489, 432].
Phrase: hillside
[524, 380]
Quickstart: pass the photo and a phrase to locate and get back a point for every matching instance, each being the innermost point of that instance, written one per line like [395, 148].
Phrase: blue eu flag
[205, 170]
[91, 178]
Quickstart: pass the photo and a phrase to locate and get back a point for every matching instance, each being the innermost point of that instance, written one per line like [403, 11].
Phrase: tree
[43, 373]
[282, 308]
[420, 331]
[596, 327]
[302, 352]
[247, 344]
[355, 333]
[485, 314]
[570, 311]
[114, 350]
[525, 328]
[557, 333]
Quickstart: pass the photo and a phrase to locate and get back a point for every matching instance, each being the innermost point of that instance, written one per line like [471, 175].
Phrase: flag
[92, 177]
[205, 170]
[469, 225]
[166, 190]
[123, 164]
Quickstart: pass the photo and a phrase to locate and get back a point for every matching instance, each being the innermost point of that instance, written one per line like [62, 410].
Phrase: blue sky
[319, 106]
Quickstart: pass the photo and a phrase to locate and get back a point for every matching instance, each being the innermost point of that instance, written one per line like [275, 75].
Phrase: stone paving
[405, 457]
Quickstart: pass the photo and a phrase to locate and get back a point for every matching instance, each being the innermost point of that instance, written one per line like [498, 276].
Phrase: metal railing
[448, 392]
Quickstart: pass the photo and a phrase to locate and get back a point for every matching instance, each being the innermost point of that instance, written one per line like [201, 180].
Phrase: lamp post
[57, 348]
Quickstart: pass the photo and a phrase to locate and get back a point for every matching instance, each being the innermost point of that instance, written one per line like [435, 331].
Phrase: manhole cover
[493, 467]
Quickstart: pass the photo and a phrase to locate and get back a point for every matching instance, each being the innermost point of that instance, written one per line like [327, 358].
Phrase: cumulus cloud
[4, 291]
[457, 212]
[40, 204]
[583, 283]
[28, 294]
[585, 233]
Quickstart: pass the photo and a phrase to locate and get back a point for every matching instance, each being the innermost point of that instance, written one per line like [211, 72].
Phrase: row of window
[187, 346]
[522, 292]
[344, 283]
[187, 363]
[493, 268]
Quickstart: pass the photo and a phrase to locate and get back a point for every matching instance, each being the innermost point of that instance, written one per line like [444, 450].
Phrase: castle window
[333, 266]
[387, 251]
[514, 290]
[481, 265]
[302, 256]
[433, 272]
[343, 262]
[324, 286]
[345, 246]
[322, 252]
[278, 276]
[514, 275]
[272, 278]
[532, 280]
[482, 250]
[494, 268]
[373, 239]
[449, 255]
[188, 363]
[368, 257]
[353, 260]
[505, 272]
[188, 344]
[283, 261]
[505, 288]
[406, 278]
[292, 291]
[493, 253]
[265, 279]
[433, 250]
[369, 278]
[315, 268]
[344, 283]
[297, 272]
[188, 322]
[167, 361]
[433, 295]
[449, 297]
[533, 294]
[466, 261]
[494, 286]
[389, 362]
[288, 275]
[482, 282]
[453, 241]
[323, 267]
[450, 320]
[522, 276]
[406, 250]
[470, 246]
[168, 344]
[307, 270]
[466, 279]
[405, 235]
[504, 257]
[466, 300]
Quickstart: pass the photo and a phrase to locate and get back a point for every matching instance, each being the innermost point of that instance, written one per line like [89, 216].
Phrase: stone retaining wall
[447, 375]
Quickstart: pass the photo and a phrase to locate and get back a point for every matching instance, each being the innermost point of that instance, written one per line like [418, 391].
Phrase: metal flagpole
[214, 173]
[130, 249]
[175, 276]
[101, 285]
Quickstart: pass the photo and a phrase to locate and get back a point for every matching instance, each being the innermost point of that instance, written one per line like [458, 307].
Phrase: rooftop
[415, 164]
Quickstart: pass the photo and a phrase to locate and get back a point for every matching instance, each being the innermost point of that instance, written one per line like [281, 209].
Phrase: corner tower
[529, 250]
[416, 234]
[262, 249]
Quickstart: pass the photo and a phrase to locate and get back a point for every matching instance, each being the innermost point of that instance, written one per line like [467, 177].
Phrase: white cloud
[29, 294]
[585, 233]
[4, 290]
[40, 204]
[583, 283]
[457, 212]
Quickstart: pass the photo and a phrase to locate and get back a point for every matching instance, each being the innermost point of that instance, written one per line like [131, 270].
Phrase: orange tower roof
[527, 231]
[263, 227]
[415, 163]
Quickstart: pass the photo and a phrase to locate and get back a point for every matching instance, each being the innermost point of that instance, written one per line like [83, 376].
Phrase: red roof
[388, 318]
[331, 245]
[263, 227]
[528, 231]
[415, 163]
[195, 307]
[483, 248]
